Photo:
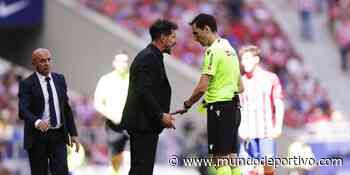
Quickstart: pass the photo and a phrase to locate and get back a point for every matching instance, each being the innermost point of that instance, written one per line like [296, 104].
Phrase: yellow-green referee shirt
[221, 62]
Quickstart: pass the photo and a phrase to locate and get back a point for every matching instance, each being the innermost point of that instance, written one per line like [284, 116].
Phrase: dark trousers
[143, 148]
[223, 122]
[49, 149]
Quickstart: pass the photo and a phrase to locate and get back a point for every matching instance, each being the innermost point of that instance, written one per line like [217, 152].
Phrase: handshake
[168, 119]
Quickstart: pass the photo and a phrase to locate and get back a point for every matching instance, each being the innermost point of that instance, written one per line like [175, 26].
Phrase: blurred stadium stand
[321, 56]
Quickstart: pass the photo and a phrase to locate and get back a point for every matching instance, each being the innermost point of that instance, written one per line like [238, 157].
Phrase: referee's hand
[168, 121]
[180, 111]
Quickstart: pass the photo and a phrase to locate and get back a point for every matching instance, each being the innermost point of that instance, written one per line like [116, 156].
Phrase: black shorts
[116, 137]
[223, 119]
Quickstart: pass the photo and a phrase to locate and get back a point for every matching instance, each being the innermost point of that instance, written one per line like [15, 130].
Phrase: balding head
[41, 60]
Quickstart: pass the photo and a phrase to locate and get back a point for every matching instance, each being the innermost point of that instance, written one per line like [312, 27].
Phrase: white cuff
[37, 122]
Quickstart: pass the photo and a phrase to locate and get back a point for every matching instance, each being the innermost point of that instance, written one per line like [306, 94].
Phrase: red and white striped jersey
[261, 89]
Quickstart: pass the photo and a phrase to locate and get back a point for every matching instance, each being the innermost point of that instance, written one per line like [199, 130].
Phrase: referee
[109, 100]
[219, 83]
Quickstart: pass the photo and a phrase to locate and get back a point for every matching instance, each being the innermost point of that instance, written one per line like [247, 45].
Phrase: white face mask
[249, 61]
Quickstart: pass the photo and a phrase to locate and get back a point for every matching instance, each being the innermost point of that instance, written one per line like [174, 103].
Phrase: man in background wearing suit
[146, 111]
[48, 118]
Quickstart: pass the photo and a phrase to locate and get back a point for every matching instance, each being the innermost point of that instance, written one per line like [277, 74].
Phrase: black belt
[235, 101]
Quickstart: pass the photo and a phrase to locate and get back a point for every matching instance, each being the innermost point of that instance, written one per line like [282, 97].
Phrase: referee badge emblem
[218, 113]
[229, 53]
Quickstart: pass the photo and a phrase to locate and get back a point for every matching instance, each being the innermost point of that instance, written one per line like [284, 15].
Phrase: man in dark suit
[48, 118]
[147, 106]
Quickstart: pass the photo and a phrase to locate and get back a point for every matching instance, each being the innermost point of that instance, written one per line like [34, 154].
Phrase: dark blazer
[149, 93]
[31, 106]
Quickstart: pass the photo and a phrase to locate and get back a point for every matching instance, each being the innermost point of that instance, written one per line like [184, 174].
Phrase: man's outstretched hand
[168, 121]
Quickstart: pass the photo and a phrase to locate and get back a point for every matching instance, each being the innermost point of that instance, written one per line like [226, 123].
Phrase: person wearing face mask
[262, 108]
[146, 111]
[109, 100]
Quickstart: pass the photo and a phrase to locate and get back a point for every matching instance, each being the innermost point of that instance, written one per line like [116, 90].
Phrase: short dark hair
[161, 27]
[203, 19]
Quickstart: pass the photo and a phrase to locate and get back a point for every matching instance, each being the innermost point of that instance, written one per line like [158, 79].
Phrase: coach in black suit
[48, 119]
[147, 106]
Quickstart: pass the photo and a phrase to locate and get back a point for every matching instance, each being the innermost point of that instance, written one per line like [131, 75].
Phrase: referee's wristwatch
[186, 105]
